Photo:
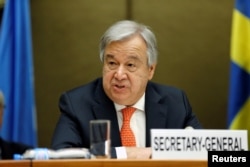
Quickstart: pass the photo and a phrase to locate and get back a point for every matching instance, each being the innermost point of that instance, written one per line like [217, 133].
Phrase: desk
[101, 163]
[14, 163]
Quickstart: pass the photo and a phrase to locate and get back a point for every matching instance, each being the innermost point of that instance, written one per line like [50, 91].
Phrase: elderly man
[128, 53]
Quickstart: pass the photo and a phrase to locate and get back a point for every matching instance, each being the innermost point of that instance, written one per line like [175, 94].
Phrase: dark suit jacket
[165, 107]
[8, 149]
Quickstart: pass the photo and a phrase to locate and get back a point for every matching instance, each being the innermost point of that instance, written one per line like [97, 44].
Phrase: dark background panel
[193, 42]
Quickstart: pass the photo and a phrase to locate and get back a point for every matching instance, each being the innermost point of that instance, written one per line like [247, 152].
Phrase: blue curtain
[16, 73]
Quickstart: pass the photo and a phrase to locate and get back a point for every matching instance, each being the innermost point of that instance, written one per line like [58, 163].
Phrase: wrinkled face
[126, 71]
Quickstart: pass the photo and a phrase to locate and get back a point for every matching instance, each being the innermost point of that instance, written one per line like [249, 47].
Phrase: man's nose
[120, 73]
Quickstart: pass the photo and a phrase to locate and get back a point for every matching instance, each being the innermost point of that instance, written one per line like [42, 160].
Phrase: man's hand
[138, 152]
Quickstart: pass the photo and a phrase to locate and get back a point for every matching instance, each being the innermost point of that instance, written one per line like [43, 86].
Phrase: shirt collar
[139, 105]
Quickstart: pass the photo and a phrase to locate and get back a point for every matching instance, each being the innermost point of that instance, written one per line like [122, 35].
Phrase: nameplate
[181, 144]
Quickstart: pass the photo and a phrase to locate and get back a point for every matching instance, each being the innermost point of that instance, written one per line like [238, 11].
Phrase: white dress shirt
[137, 124]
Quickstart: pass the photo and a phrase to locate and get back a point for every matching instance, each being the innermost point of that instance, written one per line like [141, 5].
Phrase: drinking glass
[100, 139]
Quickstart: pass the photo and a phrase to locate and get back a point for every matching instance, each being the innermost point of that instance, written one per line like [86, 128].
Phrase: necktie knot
[127, 113]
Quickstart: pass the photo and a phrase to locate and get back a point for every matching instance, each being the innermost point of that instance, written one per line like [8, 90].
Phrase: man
[129, 55]
[7, 148]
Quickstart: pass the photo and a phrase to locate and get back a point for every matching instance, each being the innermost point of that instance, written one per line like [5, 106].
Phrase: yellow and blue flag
[16, 73]
[239, 91]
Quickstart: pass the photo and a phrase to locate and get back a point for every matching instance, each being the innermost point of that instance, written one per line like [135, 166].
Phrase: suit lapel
[155, 112]
[103, 102]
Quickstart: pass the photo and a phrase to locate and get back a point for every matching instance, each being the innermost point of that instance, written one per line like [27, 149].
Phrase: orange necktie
[127, 135]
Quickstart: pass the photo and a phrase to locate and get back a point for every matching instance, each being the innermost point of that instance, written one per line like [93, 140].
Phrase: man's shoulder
[88, 87]
[163, 88]
[85, 92]
[162, 91]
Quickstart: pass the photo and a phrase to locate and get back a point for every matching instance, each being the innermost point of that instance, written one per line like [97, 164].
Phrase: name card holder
[180, 144]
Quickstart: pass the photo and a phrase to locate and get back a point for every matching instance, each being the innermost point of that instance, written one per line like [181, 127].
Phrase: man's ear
[151, 71]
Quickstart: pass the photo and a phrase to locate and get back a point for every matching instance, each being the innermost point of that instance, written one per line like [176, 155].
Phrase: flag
[16, 73]
[239, 89]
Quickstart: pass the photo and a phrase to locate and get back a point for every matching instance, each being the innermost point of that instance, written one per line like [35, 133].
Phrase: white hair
[125, 29]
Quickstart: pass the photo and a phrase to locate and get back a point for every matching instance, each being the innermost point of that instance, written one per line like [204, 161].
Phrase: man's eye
[131, 67]
[112, 64]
